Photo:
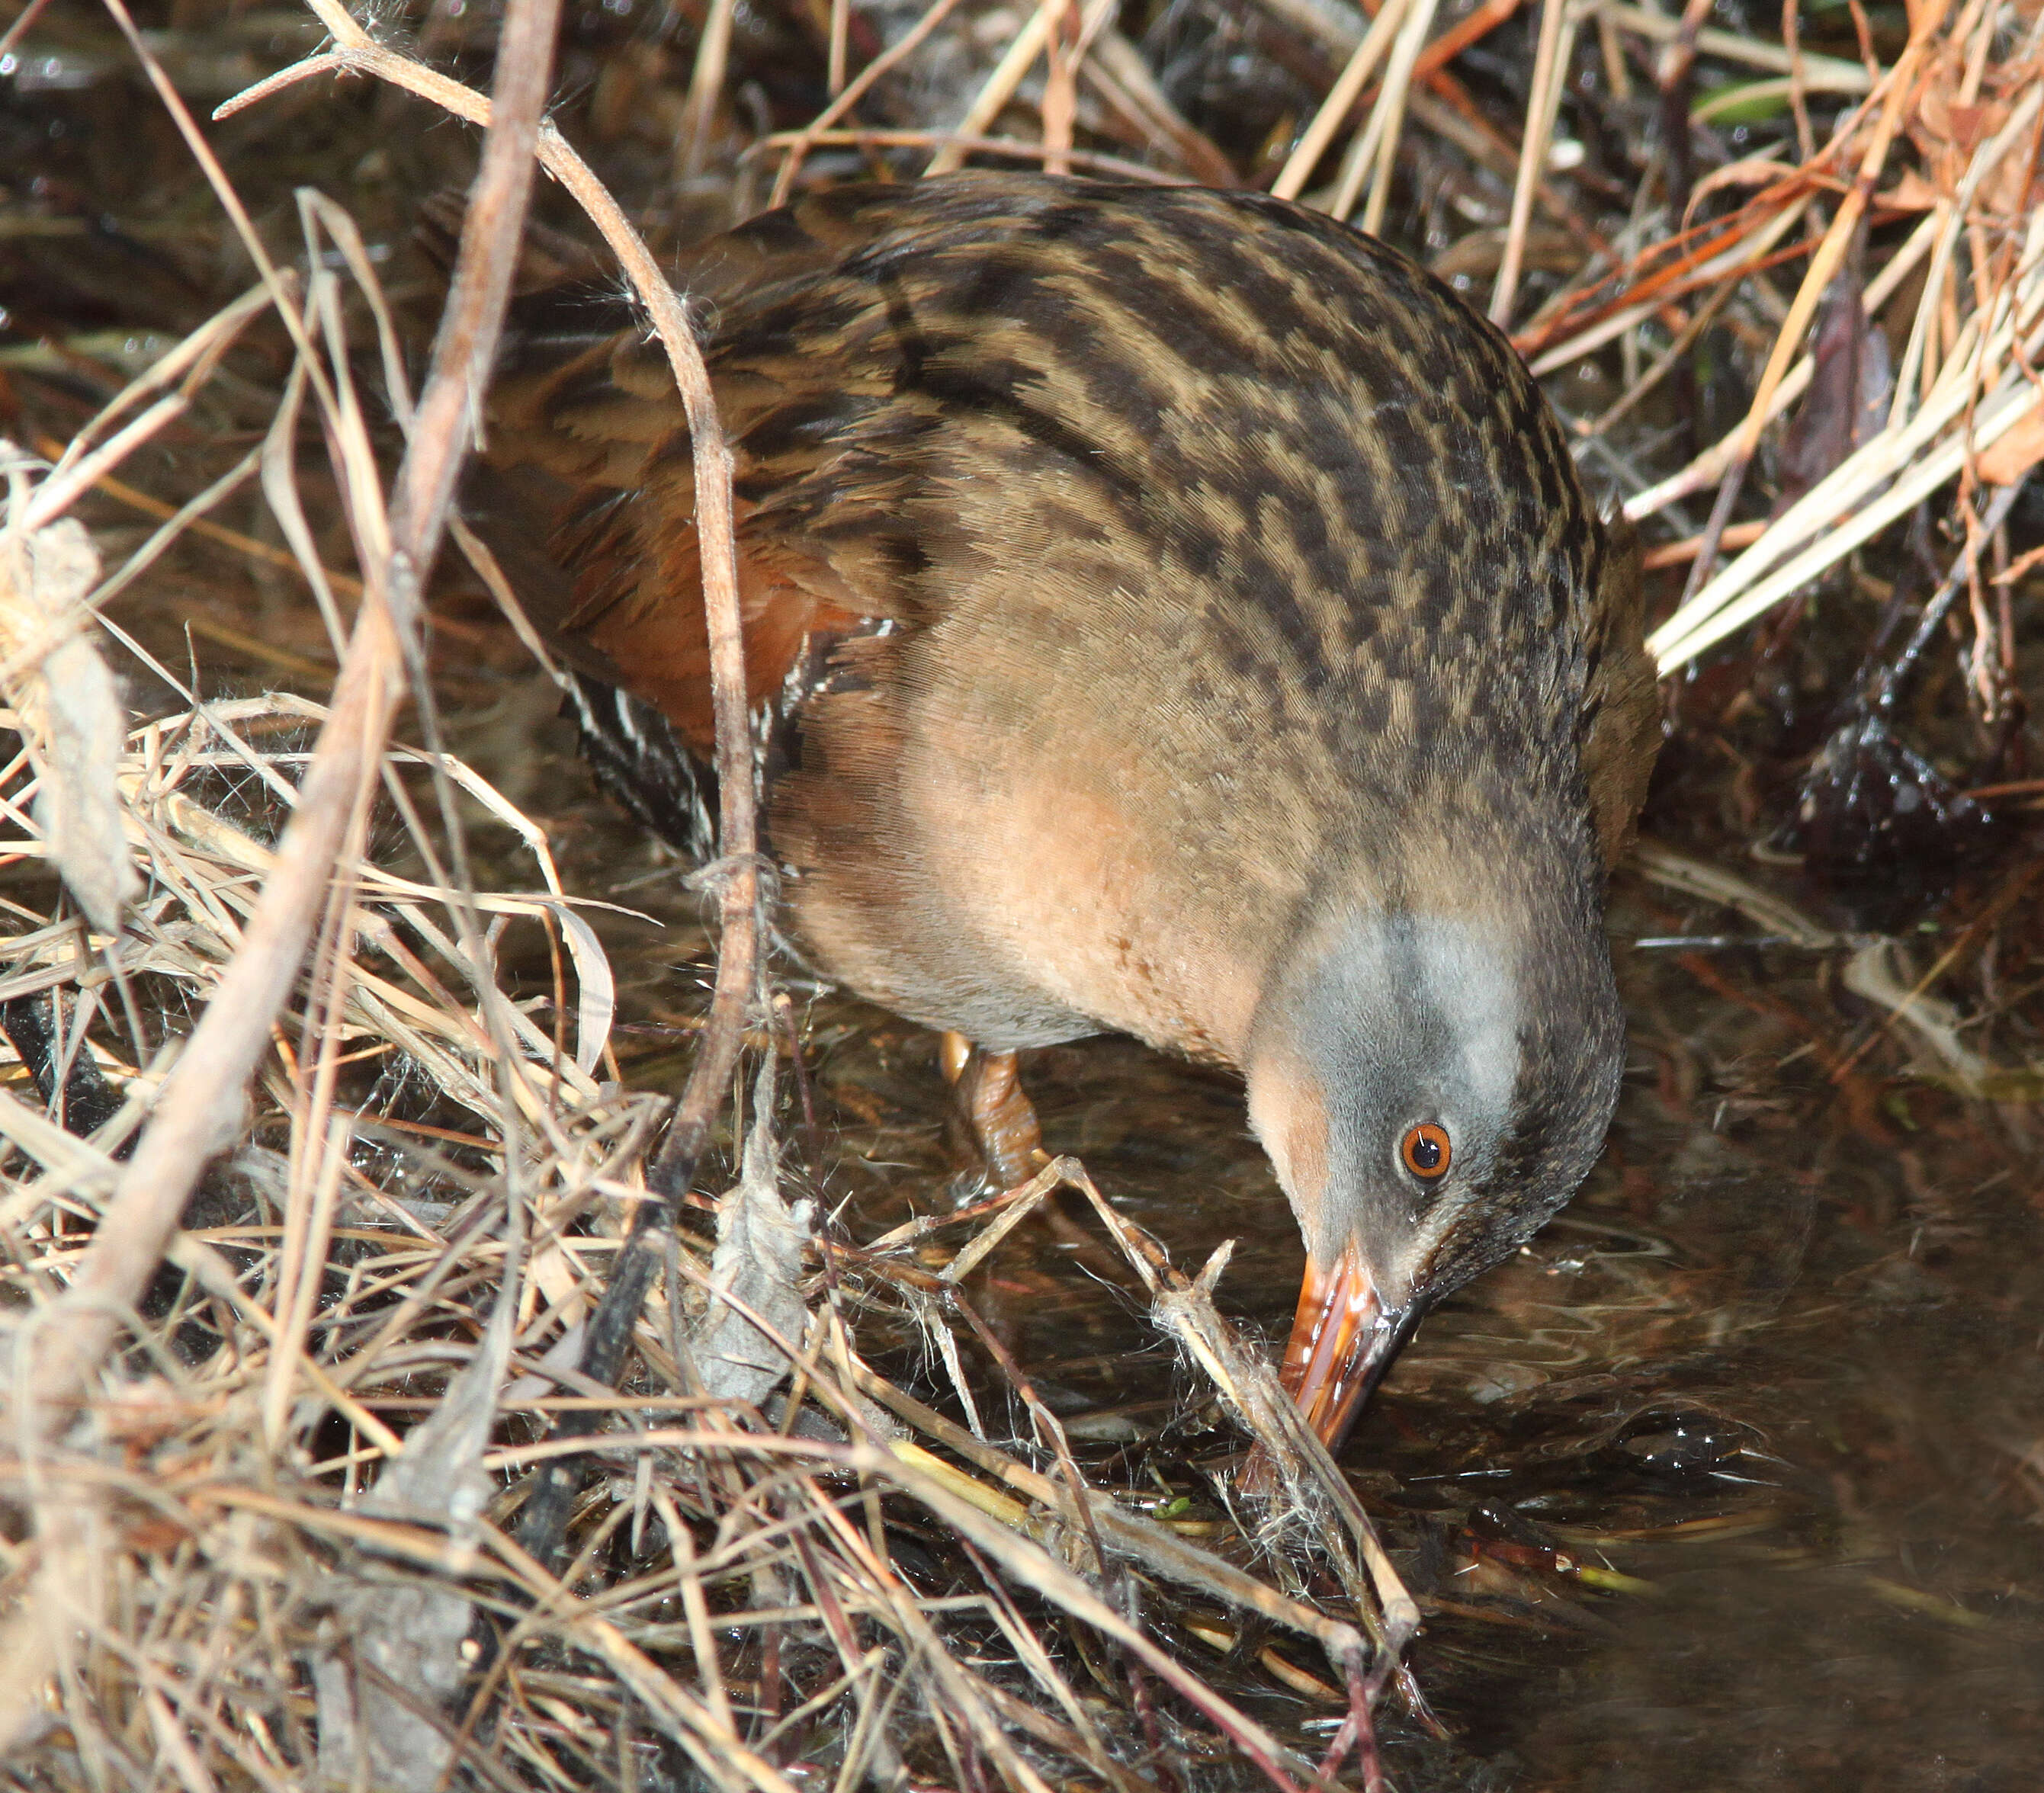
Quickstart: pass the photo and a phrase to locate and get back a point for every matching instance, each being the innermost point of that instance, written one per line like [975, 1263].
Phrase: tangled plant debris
[271, 1454]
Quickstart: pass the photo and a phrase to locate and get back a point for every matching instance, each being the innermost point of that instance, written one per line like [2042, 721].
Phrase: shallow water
[1733, 1479]
[1773, 1379]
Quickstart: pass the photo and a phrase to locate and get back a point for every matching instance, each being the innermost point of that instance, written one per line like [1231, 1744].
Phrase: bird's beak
[1343, 1339]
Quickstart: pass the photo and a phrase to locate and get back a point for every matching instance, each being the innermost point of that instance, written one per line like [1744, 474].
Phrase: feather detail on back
[1126, 563]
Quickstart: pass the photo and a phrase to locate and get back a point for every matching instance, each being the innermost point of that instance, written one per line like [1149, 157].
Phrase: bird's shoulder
[1283, 446]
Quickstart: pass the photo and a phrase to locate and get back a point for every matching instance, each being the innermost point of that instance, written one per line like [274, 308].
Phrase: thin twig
[202, 1099]
[1550, 68]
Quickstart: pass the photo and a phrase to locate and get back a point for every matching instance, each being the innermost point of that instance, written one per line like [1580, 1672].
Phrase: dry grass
[216, 1554]
[264, 1454]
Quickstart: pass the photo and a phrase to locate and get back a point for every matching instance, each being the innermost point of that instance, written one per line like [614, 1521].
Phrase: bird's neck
[1373, 1003]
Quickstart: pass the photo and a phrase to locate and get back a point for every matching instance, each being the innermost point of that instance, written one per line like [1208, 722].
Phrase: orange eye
[1426, 1151]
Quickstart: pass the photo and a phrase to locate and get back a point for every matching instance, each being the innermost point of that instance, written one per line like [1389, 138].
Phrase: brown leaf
[1849, 394]
[1965, 128]
[2017, 450]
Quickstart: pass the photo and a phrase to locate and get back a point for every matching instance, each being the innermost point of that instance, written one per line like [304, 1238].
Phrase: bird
[1167, 611]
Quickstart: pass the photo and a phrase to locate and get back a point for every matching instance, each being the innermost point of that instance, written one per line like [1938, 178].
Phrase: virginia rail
[1173, 612]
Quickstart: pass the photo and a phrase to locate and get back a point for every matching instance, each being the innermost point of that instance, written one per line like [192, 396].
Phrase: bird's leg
[994, 1114]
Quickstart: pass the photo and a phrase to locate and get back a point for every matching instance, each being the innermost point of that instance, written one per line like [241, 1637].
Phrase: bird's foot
[995, 1119]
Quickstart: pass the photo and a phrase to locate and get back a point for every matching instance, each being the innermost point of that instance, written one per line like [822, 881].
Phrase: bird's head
[1432, 1083]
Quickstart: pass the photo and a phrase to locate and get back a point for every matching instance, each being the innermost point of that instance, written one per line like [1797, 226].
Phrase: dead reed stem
[201, 1102]
[376, 1354]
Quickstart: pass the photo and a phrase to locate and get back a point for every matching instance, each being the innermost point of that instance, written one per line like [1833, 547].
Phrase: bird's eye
[1425, 1151]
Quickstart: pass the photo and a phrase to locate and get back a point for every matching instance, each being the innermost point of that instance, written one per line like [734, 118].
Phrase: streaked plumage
[1182, 616]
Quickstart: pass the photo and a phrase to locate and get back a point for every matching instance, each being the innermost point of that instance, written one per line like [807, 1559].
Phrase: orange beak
[1343, 1340]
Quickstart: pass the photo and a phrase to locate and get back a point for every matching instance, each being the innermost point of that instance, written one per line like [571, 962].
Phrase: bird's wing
[587, 493]
[845, 337]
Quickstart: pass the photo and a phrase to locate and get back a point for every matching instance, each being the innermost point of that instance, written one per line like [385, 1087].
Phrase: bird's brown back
[1182, 550]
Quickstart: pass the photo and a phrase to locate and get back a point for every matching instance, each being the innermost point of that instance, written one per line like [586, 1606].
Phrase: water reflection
[1732, 1479]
